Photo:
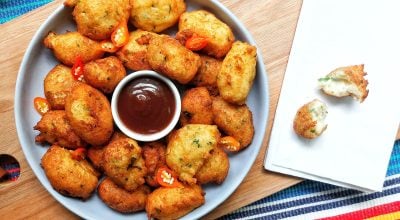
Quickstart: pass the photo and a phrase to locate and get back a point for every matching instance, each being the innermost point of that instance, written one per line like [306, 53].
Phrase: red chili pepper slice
[77, 69]
[196, 43]
[79, 154]
[120, 35]
[108, 46]
[166, 177]
[41, 105]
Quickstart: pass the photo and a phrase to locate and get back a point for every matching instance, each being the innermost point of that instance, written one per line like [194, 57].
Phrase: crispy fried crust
[203, 23]
[237, 73]
[215, 169]
[169, 57]
[68, 176]
[308, 125]
[54, 128]
[121, 200]
[234, 120]
[68, 46]
[173, 203]
[57, 85]
[124, 164]
[97, 19]
[189, 148]
[89, 114]
[156, 16]
[133, 54]
[104, 74]
[196, 107]
[207, 74]
[154, 157]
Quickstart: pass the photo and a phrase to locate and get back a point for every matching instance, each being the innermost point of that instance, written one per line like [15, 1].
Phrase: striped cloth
[306, 200]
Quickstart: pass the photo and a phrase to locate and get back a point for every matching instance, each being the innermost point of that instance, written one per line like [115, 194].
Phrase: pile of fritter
[165, 177]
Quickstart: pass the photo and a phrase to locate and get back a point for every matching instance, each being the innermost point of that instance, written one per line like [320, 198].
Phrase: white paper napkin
[355, 149]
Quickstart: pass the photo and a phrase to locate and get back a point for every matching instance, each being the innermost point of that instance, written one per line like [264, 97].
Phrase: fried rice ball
[196, 107]
[205, 24]
[154, 157]
[309, 121]
[54, 128]
[215, 169]
[234, 120]
[57, 85]
[124, 164]
[173, 203]
[133, 54]
[70, 177]
[237, 73]
[89, 114]
[121, 200]
[104, 74]
[169, 57]
[97, 19]
[156, 16]
[189, 148]
[207, 74]
[67, 47]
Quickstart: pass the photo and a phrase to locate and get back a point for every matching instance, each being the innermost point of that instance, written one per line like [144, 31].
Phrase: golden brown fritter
[97, 19]
[309, 121]
[207, 74]
[95, 155]
[54, 128]
[237, 73]
[215, 169]
[104, 74]
[121, 200]
[154, 157]
[67, 47]
[133, 54]
[167, 56]
[196, 107]
[205, 24]
[156, 16]
[68, 176]
[189, 148]
[234, 120]
[89, 114]
[173, 203]
[57, 85]
[124, 164]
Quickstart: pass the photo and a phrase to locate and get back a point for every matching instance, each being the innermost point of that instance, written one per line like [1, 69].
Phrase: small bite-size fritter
[67, 47]
[57, 85]
[346, 81]
[237, 73]
[234, 120]
[215, 169]
[156, 16]
[89, 113]
[189, 148]
[70, 177]
[104, 74]
[124, 164]
[121, 200]
[154, 158]
[167, 56]
[54, 128]
[133, 54]
[204, 24]
[97, 19]
[309, 121]
[207, 74]
[196, 107]
[173, 203]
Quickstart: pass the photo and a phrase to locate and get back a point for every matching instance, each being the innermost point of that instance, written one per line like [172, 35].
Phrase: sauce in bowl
[146, 105]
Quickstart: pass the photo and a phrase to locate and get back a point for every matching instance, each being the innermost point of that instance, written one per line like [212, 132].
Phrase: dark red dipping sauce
[146, 105]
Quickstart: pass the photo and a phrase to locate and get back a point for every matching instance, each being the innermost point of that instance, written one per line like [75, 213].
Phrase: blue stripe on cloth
[309, 187]
[10, 9]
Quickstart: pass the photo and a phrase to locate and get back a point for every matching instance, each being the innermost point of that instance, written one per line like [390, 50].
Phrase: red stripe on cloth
[13, 170]
[367, 213]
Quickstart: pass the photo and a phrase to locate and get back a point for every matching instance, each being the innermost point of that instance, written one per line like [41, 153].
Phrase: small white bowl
[138, 136]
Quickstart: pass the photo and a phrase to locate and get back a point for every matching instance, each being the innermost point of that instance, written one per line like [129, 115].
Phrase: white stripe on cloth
[338, 211]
